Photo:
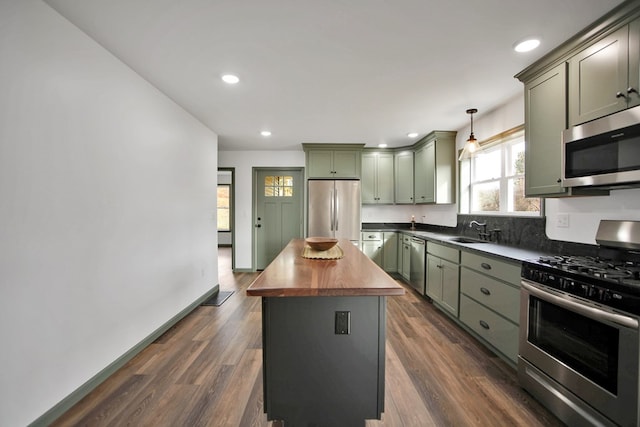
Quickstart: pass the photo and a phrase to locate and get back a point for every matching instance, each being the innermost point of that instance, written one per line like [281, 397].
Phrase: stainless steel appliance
[579, 349]
[334, 209]
[604, 152]
[417, 265]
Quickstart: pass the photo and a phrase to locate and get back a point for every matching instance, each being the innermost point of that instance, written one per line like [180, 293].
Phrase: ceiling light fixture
[382, 145]
[265, 133]
[526, 45]
[412, 134]
[472, 143]
[230, 79]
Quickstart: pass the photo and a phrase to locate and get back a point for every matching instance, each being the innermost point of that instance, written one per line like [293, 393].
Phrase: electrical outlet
[562, 221]
[343, 322]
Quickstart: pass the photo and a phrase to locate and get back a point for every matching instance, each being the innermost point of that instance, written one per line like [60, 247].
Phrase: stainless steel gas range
[579, 350]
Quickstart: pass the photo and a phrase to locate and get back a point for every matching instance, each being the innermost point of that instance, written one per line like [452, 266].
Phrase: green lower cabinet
[443, 283]
[497, 331]
[490, 301]
[372, 246]
[382, 248]
[390, 252]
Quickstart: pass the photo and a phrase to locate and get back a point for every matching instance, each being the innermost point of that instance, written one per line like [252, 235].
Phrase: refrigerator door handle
[337, 209]
[332, 218]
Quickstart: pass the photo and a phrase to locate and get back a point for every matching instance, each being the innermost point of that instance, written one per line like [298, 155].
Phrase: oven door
[588, 351]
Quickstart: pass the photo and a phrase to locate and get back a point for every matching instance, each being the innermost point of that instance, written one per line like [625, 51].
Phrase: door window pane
[278, 186]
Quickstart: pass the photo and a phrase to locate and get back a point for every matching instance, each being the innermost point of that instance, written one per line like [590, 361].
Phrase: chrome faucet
[481, 226]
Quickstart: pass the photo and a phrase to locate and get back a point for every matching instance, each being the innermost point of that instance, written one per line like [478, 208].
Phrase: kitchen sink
[467, 240]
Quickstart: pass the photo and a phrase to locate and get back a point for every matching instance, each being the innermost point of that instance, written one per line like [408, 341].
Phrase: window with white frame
[492, 180]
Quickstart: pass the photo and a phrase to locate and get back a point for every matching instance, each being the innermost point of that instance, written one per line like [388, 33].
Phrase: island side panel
[314, 376]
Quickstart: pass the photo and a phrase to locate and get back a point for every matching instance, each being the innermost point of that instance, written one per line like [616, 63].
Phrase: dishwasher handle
[418, 241]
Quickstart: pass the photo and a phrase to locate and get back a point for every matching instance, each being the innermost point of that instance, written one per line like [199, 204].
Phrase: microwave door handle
[587, 311]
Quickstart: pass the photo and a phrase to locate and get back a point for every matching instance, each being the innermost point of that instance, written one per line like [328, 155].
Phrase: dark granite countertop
[507, 252]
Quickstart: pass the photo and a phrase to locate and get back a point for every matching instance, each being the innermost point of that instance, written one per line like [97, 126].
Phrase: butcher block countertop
[291, 275]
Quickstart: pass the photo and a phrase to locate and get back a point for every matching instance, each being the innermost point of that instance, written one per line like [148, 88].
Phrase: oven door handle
[585, 310]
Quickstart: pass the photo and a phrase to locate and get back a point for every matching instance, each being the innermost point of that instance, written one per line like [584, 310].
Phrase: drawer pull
[485, 266]
[485, 291]
[484, 324]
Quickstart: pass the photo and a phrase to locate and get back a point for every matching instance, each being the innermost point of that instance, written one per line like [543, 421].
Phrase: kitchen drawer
[493, 293]
[496, 330]
[444, 252]
[372, 235]
[509, 272]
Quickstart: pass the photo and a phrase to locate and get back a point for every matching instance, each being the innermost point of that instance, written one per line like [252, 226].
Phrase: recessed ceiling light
[382, 145]
[230, 79]
[526, 45]
[412, 134]
[265, 133]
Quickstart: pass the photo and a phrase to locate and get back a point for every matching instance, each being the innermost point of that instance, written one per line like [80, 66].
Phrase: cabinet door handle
[620, 95]
[485, 291]
[485, 266]
[484, 324]
[631, 90]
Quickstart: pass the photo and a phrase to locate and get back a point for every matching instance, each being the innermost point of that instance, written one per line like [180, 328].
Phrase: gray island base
[323, 333]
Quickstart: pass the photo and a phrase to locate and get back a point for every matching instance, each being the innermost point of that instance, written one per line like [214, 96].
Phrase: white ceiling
[332, 71]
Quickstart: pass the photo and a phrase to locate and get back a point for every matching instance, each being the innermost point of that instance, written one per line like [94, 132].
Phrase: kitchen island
[323, 334]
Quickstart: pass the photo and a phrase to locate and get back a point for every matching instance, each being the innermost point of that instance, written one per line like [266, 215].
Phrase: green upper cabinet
[377, 177]
[403, 177]
[604, 77]
[592, 74]
[434, 168]
[333, 160]
[545, 118]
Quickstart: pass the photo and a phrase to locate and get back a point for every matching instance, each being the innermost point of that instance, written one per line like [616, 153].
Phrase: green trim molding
[65, 404]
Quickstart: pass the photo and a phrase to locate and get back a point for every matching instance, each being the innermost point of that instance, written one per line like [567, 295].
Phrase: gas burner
[603, 269]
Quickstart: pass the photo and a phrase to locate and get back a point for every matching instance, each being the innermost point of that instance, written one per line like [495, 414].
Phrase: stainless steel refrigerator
[334, 209]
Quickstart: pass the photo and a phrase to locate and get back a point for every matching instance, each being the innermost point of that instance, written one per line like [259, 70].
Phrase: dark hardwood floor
[206, 371]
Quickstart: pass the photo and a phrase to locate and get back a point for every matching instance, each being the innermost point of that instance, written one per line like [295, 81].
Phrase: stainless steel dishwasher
[416, 277]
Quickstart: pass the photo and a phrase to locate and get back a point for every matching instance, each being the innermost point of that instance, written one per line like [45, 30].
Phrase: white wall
[108, 209]
[243, 162]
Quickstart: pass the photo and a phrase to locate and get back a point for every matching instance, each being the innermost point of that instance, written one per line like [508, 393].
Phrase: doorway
[225, 210]
[278, 211]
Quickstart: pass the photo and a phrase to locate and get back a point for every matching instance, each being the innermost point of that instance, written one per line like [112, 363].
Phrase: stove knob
[568, 284]
[584, 290]
[606, 296]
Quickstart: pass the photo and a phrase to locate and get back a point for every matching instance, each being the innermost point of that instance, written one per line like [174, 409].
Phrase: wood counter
[323, 337]
[289, 274]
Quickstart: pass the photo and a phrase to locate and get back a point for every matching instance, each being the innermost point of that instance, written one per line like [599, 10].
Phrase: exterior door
[278, 212]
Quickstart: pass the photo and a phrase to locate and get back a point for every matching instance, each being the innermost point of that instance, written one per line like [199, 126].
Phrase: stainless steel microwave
[604, 152]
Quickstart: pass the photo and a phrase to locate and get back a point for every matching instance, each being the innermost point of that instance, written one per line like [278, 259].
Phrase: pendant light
[472, 143]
